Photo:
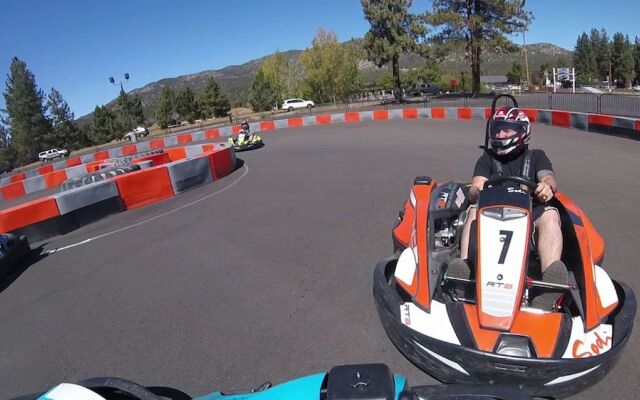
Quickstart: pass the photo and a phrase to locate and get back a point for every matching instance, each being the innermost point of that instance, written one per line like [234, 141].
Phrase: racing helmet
[509, 131]
[244, 126]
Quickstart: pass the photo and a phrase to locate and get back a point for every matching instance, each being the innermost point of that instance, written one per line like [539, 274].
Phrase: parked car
[48, 155]
[636, 88]
[292, 104]
[12, 249]
[137, 133]
[425, 89]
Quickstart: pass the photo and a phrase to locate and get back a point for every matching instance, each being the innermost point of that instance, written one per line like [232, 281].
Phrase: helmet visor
[505, 133]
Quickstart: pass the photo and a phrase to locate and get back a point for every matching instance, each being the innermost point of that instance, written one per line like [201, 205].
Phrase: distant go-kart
[246, 141]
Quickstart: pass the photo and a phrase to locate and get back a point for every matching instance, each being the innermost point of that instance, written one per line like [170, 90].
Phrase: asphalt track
[266, 274]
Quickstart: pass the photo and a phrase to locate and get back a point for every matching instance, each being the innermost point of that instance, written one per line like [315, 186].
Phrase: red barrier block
[352, 117]
[12, 191]
[212, 133]
[222, 162]
[176, 153]
[561, 118]
[156, 159]
[18, 177]
[101, 155]
[295, 122]
[438, 113]
[143, 187]
[487, 113]
[72, 162]
[638, 126]
[603, 120]
[28, 214]
[55, 178]
[208, 147]
[45, 169]
[380, 115]
[323, 119]
[465, 113]
[156, 144]
[410, 113]
[185, 138]
[235, 129]
[129, 149]
[267, 125]
[532, 113]
[93, 166]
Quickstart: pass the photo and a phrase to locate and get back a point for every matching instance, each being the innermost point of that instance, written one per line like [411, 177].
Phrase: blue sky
[75, 45]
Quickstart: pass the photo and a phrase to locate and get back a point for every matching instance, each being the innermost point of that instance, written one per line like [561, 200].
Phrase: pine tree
[584, 59]
[476, 24]
[262, 95]
[25, 110]
[65, 132]
[165, 107]
[601, 49]
[636, 57]
[212, 102]
[516, 74]
[104, 126]
[622, 60]
[186, 106]
[7, 150]
[394, 30]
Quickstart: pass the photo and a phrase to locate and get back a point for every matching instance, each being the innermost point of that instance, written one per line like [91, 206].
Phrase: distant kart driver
[509, 155]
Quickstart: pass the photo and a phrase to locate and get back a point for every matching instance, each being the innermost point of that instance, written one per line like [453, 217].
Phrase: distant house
[494, 82]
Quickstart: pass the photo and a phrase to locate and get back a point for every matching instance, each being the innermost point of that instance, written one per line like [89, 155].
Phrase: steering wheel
[517, 179]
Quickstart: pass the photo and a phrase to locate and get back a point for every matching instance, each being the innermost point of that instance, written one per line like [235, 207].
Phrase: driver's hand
[543, 192]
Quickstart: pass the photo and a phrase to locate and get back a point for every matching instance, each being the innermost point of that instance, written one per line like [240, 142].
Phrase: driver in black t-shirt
[509, 155]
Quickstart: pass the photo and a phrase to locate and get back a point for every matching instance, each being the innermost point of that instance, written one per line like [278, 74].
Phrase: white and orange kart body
[484, 329]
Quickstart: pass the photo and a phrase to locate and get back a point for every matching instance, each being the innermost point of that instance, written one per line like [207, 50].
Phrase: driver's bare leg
[549, 238]
[466, 232]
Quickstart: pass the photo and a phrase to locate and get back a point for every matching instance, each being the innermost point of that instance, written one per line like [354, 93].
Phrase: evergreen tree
[212, 102]
[622, 60]
[165, 107]
[476, 24]
[262, 95]
[394, 30]
[104, 126]
[601, 49]
[25, 109]
[636, 57]
[128, 112]
[65, 132]
[7, 150]
[516, 74]
[186, 106]
[584, 59]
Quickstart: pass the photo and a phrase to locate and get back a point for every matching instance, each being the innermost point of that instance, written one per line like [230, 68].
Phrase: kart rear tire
[97, 176]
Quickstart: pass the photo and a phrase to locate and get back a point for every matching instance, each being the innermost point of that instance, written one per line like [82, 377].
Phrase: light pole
[526, 60]
[113, 81]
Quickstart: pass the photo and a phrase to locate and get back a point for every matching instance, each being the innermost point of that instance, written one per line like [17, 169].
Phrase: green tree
[165, 107]
[7, 150]
[186, 105]
[65, 132]
[330, 68]
[104, 126]
[476, 24]
[636, 57]
[128, 112]
[584, 59]
[622, 60]
[25, 112]
[212, 101]
[262, 95]
[394, 30]
[601, 49]
[283, 74]
[516, 74]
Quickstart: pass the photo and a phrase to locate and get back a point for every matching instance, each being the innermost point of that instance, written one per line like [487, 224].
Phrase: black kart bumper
[453, 363]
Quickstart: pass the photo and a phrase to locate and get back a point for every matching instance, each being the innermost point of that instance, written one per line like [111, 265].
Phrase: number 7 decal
[505, 238]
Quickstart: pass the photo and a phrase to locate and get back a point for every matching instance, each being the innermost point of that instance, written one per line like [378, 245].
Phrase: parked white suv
[292, 104]
[137, 133]
[45, 156]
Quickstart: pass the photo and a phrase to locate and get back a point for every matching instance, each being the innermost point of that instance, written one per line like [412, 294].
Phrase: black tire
[290, 109]
[309, 106]
[97, 176]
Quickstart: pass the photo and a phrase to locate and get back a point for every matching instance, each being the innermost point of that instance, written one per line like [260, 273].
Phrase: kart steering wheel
[517, 179]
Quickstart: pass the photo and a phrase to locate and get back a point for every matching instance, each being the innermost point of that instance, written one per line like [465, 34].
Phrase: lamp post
[113, 81]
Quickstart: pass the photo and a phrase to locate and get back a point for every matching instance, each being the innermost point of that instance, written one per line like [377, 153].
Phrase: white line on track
[56, 250]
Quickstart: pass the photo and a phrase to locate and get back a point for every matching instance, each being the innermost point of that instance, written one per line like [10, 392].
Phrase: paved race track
[268, 275]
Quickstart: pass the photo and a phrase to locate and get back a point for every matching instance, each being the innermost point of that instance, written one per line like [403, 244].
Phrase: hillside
[236, 79]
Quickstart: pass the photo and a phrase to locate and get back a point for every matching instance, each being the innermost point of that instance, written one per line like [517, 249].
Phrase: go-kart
[13, 248]
[363, 382]
[486, 329]
[246, 141]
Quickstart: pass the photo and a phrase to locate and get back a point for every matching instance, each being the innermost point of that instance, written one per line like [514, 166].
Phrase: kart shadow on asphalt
[34, 256]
